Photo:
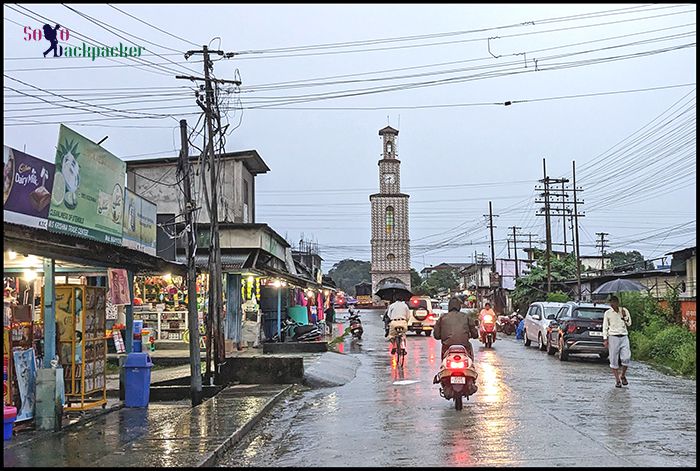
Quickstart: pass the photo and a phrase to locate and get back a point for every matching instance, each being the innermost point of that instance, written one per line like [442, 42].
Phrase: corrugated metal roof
[227, 260]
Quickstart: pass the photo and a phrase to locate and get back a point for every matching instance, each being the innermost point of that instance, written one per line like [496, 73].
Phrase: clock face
[389, 178]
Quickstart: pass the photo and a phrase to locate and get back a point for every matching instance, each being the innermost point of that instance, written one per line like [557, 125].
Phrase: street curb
[239, 434]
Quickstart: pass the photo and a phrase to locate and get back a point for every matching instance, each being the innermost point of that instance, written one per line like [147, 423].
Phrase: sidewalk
[167, 434]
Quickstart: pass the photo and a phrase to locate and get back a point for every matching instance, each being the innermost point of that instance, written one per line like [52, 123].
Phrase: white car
[421, 318]
[539, 316]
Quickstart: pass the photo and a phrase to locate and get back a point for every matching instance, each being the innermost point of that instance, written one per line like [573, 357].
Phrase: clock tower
[390, 241]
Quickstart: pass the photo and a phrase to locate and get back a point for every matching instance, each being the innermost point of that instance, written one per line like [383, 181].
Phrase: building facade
[390, 238]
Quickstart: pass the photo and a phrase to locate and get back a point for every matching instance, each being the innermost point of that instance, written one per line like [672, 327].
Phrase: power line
[153, 26]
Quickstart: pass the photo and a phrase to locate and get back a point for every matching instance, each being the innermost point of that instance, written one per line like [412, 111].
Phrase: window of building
[388, 148]
[389, 219]
[391, 257]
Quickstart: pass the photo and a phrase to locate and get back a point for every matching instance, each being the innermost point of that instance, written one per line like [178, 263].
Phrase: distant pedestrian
[615, 338]
[330, 318]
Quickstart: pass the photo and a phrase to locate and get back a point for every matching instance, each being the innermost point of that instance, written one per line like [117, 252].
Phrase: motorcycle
[355, 324]
[298, 332]
[507, 324]
[487, 330]
[457, 375]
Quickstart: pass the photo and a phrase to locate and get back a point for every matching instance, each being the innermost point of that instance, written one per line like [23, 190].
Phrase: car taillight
[571, 328]
[455, 364]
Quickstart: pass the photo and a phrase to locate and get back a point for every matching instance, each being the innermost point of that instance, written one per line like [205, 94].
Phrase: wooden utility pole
[548, 228]
[563, 197]
[576, 215]
[515, 249]
[215, 275]
[190, 236]
[493, 247]
[601, 243]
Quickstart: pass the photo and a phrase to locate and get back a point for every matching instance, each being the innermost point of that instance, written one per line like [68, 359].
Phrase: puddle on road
[405, 381]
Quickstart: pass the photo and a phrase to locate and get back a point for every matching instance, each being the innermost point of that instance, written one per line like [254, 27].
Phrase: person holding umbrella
[615, 338]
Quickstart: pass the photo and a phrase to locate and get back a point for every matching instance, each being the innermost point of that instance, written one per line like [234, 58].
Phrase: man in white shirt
[398, 315]
[615, 323]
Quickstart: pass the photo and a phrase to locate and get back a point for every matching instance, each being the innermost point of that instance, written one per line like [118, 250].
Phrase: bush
[667, 340]
[685, 358]
[557, 297]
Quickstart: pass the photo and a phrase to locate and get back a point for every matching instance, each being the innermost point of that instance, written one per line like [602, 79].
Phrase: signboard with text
[27, 188]
[88, 191]
[139, 223]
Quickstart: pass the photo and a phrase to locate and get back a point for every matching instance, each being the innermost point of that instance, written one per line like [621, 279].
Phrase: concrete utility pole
[191, 238]
[215, 275]
[563, 197]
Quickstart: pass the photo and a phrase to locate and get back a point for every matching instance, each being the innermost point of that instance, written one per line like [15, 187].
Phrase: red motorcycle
[487, 330]
[457, 375]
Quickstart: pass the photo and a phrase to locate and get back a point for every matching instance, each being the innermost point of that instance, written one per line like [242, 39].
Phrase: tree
[533, 286]
[439, 281]
[416, 279]
[347, 273]
[628, 260]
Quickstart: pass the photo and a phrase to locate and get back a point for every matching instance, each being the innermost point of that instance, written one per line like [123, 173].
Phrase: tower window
[389, 219]
[389, 148]
[391, 257]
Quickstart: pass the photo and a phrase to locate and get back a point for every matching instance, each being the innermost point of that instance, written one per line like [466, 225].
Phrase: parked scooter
[298, 332]
[487, 330]
[355, 323]
[457, 375]
[507, 324]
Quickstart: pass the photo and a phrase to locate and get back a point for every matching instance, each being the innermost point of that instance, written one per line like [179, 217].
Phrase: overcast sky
[634, 151]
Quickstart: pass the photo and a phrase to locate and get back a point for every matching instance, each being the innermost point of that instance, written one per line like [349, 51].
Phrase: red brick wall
[688, 312]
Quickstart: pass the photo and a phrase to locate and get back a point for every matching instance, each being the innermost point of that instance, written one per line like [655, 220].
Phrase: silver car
[539, 316]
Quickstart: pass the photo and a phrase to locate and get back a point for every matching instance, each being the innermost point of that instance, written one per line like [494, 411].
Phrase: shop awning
[42, 243]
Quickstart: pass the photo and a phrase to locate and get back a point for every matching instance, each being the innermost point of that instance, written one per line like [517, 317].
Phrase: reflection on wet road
[530, 410]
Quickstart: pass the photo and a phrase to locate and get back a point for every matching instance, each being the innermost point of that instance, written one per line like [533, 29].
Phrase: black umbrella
[618, 286]
[393, 288]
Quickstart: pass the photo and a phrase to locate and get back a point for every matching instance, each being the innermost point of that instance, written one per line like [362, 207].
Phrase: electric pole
[576, 215]
[493, 248]
[191, 239]
[515, 249]
[564, 196]
[215, 275]
[601, 243]
[548, 228]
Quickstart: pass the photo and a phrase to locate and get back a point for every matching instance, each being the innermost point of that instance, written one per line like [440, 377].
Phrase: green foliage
[669, 345]
[438, 281]
[557, 297]
[643, 308]
[532, 287]
[416, 279]
[631, 259]
[347, 273]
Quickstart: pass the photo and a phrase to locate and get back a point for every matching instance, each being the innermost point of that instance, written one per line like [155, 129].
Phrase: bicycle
[399, 346]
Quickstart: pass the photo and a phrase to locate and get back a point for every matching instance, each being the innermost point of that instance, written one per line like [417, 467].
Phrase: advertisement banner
[139, 223]
[27, 186]
[88, 191]
[25, 368]
[118, 287]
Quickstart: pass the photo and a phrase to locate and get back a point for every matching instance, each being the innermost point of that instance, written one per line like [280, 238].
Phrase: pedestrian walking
[615, 338]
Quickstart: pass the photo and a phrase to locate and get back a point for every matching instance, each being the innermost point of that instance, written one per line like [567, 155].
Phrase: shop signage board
[27, 186]
[88, 191]
[139, 232]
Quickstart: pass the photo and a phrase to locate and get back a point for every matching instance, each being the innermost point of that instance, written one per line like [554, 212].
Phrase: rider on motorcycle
[455, 328]
[487, 310]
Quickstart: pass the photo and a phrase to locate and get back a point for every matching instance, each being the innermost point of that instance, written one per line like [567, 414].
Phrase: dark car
[577, 328]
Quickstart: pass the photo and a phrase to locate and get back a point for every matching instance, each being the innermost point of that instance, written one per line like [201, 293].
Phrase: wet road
[530, 410]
